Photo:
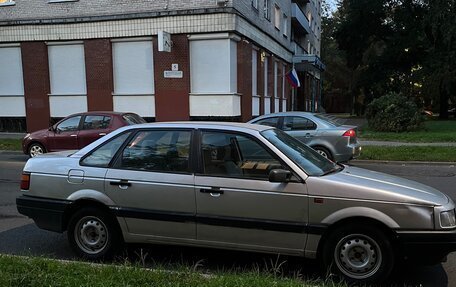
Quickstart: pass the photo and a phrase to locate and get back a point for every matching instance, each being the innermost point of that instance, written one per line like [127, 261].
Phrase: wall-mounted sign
[164, 41]
[175, 67]
[173, 74]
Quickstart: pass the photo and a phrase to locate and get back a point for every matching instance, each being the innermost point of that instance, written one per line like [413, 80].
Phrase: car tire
[324, 152]
[93, 234]
[359, 254]
[36, 149]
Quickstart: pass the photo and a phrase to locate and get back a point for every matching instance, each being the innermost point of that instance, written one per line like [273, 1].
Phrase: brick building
[228, 58]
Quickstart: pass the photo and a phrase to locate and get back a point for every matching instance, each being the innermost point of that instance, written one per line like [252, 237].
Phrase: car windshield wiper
[335, 169]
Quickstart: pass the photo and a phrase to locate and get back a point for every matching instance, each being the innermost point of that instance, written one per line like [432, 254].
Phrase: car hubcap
[36, 150]
[91, 235]
[358, 256]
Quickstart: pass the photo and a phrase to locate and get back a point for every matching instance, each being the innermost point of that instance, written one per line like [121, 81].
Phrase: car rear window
[330, 119]
[133, 119]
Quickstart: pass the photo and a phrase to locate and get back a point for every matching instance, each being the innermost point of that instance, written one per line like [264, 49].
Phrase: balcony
[299, 21]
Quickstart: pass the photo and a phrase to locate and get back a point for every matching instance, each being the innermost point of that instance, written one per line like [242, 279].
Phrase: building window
[255, 4]
[133, 68]
[68, 78]
[277, 17]
[267, 9]
[67, 69]
[11, 82]
[267, 100]
[276, 87]
[7, 2]
[285, 25]
[255, 97]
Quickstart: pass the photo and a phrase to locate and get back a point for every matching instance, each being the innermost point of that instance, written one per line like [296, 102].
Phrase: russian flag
[293, 79]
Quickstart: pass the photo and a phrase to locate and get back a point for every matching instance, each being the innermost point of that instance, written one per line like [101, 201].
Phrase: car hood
[358, 183]
[39, 133]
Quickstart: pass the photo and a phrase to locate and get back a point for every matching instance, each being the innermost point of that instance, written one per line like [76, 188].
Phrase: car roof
[202, 124]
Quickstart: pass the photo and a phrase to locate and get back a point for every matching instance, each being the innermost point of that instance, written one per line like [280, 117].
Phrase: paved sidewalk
[11, 135]
[391, 143]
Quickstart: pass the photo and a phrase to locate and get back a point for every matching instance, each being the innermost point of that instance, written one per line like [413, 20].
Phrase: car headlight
[447, 219]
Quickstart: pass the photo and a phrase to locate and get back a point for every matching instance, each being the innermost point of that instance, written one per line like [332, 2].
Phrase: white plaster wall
[215, 105]
[12, 106]
[267, 105]
[142, 105]
[62, 106]
[255, 105]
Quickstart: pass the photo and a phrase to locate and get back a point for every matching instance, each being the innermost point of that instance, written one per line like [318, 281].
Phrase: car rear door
[152, 183]
[237, 206]
[300, 128]
[93, 127]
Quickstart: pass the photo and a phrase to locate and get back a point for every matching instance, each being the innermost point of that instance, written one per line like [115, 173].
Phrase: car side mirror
[51, 129]
[279, 175]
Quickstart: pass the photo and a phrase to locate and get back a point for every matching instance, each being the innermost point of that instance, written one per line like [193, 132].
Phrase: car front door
[238, 206]
[93, 128]
[65, 135]
[153, 186]
[300, 128]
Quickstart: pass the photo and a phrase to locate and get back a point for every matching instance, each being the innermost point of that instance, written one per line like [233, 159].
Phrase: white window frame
[267, 9]
[277, 17]
[255, 4]
[285, 25]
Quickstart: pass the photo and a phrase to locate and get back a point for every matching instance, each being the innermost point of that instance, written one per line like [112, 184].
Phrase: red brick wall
[99, 75]
[35, 68]
[172, 95]
[244, 78]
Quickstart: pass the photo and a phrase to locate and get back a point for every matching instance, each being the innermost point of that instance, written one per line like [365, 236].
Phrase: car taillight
[350, 133]
[25, 181]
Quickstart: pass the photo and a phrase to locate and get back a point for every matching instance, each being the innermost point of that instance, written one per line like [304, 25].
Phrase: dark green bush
[393, 113]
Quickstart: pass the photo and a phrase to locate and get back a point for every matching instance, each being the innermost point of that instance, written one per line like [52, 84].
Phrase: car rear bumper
[349, 152]
[427, 247]
[47, 213]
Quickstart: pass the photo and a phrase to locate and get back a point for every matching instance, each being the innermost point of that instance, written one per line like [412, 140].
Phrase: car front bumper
[427, 247]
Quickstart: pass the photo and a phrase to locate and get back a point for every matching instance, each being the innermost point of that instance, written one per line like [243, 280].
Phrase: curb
[450, 163]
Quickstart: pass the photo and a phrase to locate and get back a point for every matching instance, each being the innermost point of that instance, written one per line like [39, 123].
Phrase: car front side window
[159, 150]
[71, 124]
[272, 122]
[233, 155]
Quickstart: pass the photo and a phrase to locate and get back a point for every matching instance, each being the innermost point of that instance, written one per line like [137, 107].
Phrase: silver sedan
[235, 186]
[322, 132]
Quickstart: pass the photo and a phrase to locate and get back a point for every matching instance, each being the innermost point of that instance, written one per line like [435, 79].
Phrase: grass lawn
[23, 271]
[10, 144]
[409, 153]
[434, 131]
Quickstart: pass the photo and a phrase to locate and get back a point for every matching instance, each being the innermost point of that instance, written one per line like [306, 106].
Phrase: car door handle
[308, 135]
[123, 184]
[212, 191]
[102, 134]
[73, 135]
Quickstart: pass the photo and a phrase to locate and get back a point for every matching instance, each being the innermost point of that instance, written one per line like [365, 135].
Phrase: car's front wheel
[93, 234]
[36, 149]
[360, 254]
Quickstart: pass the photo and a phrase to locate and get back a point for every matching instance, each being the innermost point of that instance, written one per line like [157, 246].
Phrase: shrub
[393, 113]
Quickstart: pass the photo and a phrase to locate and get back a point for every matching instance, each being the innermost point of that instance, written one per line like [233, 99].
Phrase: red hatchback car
[76, 131]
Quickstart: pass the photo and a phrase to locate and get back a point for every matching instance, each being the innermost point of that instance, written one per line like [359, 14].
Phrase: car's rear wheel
[324, 152]
[360, 254]
[36, 149]
[93, 234]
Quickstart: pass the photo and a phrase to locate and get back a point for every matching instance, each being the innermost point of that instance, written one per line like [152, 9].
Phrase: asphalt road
[18, 235]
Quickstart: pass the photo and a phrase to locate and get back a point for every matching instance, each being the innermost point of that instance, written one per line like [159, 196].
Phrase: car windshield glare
[305, 157]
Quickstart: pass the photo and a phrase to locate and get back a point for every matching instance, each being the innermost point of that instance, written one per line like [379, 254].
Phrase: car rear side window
[298, 124]
[234, 155]
[102, 156]
[272, 122]
[96, 122]
[159, 150]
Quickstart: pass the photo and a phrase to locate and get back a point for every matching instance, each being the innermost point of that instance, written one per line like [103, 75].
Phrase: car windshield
[305, 157]
[133, 119]
[330, 119]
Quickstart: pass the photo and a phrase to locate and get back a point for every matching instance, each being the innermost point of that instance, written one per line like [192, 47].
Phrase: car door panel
[252, 212]
[153, 204]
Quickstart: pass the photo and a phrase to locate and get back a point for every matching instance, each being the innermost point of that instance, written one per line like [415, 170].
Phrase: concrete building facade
[227, 58]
